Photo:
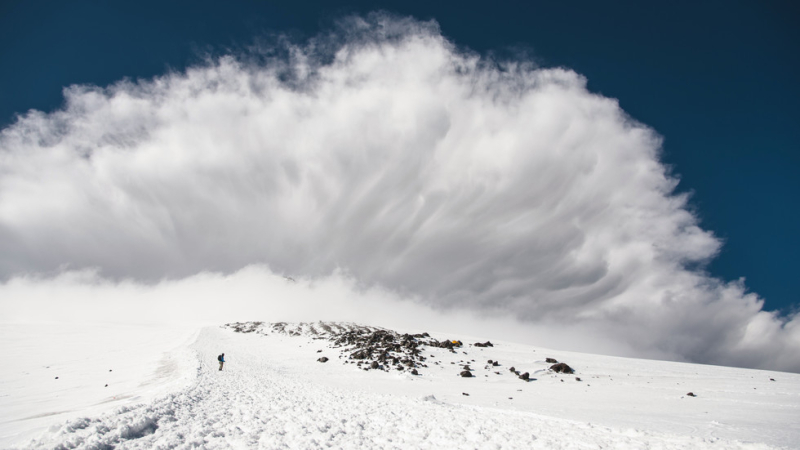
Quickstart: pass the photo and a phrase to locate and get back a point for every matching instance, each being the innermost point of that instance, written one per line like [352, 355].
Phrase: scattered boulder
[467, 367]
[772, 379]
[466, 374]
[691, 394]
[489, 362]
[525, 376]
[512, 369]
[495, 364]
[323, 359]
[550, 361]
[374, 365]
[577, 378]
[561, 368]
[484, 344]
[414, 372]
[464, 393]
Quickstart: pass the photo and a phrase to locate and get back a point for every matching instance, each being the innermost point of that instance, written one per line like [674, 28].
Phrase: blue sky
[718, 80]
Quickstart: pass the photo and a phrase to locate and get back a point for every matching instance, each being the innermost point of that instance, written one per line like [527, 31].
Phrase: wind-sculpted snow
[267, 397]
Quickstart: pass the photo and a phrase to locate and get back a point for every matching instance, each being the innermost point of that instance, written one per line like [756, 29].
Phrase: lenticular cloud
[383, 151]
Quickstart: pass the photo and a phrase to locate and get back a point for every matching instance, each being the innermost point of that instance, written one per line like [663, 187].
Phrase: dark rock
[466, 367]
[489, 362]
[512, 369]
[495, 364]
[561, 368]
[772, 379]
[414, 372]
[464, 393]
[577, 378]
[323, 359]
[319, 351]
[56, 378]
[550, 361]
[466, 374]
[106, 385]
[525, 376]
[374, 365]
[691, 394]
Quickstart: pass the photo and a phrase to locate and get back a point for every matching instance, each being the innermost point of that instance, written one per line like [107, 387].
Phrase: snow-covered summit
[316, 385]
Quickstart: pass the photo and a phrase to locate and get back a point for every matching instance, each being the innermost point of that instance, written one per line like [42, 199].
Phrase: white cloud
[383, 151]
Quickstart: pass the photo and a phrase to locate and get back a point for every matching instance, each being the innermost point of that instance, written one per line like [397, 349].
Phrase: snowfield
[273, 393]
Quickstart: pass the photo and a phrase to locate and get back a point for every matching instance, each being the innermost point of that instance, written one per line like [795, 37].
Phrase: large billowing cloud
[383, 151]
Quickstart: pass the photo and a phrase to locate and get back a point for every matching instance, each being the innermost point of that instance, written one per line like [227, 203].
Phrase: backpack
[219, 358]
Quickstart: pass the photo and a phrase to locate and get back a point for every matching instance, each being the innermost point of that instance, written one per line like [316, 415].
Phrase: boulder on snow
[467, 367]
[414, 372]
[691, 394]
[466, 374]
[550, 360]
[525, 376]
[483, 344]
[323, 359]
[495, 364]
[561, 368]
[374, 365]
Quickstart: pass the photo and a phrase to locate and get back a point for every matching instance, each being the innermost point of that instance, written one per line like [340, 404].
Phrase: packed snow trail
[256, 403]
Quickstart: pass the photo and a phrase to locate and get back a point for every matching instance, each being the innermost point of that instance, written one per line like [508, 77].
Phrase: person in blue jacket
[221, 359]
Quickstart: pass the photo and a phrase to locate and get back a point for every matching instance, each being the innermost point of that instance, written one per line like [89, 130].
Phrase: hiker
[221, 359]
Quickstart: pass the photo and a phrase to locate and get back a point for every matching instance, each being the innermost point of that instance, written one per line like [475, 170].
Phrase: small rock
[466, 374]
[512, 370]
[691, 394]
[374, 365]
[466, 367]
[106, 386]
[464, 393]
[319, 351]
[577, 378]
[525, 376]
[489, 362]
[495, 364]
[772, 379]
[56, 378]
[414, 372]
[550, 360]
[323, 359]
[561, 368]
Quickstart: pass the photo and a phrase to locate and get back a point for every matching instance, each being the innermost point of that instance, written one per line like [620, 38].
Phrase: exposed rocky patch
[375, 348]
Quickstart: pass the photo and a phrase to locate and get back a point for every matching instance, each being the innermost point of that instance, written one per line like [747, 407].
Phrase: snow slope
[274, 394]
